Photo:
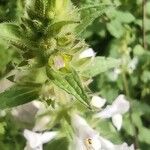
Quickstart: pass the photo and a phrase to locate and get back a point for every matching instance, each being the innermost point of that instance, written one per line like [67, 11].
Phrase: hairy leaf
[69, 82]
[9, 32]
[95, 12]
[18, 95]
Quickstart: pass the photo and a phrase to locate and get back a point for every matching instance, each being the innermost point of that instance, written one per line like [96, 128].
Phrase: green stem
[143, 23]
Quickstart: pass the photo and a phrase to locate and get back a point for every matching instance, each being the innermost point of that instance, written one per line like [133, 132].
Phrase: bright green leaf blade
[99, 65]
[18, 95]
[69, 82]
[95, 12]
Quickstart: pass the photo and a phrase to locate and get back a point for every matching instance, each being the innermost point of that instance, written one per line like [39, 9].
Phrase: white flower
[87, 53]
[113, 75]
[35, 140]
[27, 112]
[98, 102]
[87, 138]
[132, 64]
[118, 107]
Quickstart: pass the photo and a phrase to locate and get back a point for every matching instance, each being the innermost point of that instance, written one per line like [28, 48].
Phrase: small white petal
[119, 106]
[122, 104]
[133, 63]
[117, 121]
[95, 142]
[77, 144]
[87, 53]
[48, 136]
[108, 112]
[106, 144]
[98, 102]
[36, 148]
[88, 136]
[81, 127]
[34, 139]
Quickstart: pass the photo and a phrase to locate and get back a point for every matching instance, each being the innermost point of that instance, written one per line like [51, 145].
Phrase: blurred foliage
[119, 34]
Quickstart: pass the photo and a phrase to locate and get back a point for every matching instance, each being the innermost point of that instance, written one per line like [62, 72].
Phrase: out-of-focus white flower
[87, 53]
[27, 112]
[87, 138]
[118, 107]
[35, 140]
[113, 75]
[132, 64]
[98, 102]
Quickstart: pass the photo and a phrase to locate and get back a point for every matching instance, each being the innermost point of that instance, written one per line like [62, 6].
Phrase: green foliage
[18, 95]
[89, 14]
[70, 82]
[99, 65]
[58, 144]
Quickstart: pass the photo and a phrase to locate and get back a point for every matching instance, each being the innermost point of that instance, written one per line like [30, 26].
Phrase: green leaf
[18, 95]
[9, 32]
[55, 28]
[95, 12]
[99, 65]
[115, 28]
[124, 17]
[57, 144]
[144, 135]
[69, 82]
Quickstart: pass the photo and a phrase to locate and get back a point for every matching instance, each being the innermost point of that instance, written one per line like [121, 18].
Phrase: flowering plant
[48, 91]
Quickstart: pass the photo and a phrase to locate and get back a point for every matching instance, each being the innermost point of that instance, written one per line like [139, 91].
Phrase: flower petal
[48, 136]
[117, 121]
[83, 130]
[87, 53]
[119, 106]
[98, 102]
[108, 112]
[122, 104]
[106, 144]
[34, 139]
[88, 136]
[77, 144]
